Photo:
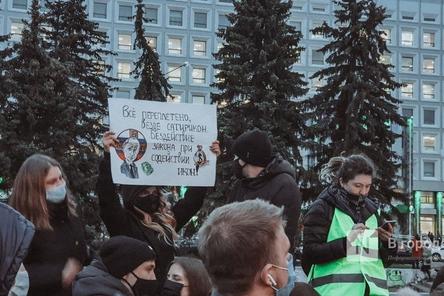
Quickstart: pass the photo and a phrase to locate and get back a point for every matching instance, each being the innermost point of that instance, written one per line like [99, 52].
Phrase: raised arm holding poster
[163, 143]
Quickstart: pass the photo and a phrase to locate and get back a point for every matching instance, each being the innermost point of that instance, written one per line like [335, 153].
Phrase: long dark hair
[198, 279]
[29, 194]
[345, 168]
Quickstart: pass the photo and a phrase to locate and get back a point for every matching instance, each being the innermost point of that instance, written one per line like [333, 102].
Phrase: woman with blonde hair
[145, 214]
[58, 249]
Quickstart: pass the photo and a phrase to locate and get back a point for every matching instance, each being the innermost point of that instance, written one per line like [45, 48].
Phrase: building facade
[183, 34]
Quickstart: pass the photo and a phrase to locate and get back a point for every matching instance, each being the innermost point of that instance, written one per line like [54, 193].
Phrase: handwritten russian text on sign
[163, 143]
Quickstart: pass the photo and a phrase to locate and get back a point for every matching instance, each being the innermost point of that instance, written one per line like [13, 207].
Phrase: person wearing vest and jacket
[345, 247]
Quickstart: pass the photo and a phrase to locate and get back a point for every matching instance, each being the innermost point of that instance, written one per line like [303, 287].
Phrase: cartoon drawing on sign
[132, 147]
[200, 158]
[147, 168]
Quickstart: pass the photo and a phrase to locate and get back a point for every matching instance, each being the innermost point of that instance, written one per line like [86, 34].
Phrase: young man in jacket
[125, 268]
[244, 249]
[261, 174]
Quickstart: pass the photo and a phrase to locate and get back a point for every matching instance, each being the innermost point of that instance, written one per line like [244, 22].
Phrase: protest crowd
[244, 247]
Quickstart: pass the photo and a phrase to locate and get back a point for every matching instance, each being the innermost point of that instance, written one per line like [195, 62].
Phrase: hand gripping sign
[163, 143]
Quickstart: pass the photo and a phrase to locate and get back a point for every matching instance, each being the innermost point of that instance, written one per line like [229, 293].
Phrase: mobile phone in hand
[387, 222]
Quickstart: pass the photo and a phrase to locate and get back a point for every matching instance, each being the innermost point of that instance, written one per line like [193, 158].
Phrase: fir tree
[37, 112]
[354, 112]
[257, 87]
[76, 43]
[153, 85]
[6, 87]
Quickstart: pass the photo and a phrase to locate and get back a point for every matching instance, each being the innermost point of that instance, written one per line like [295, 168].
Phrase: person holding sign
[145, 214]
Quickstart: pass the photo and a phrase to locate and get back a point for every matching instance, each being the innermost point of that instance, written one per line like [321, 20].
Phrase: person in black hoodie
[266, 176]
[145, 214]
[351, 179]
[125, 267]
[58, 249]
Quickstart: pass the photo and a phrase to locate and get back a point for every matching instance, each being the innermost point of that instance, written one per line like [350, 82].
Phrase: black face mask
[150, 204]
[237, 169]
[145, 287]
[171, 288]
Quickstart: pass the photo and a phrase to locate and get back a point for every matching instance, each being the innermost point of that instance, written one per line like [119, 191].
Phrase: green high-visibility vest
[349, 275]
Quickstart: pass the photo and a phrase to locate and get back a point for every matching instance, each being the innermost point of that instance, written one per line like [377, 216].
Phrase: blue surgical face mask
[291, 278]
[56, 194]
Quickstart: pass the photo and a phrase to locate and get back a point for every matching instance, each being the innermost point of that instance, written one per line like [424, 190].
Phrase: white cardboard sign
[163, 143]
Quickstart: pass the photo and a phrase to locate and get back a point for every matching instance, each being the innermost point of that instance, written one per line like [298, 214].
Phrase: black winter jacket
[120, 221]
[15, 237]
[50, 249]
[276, 184]
[317, 223]
[94, 280]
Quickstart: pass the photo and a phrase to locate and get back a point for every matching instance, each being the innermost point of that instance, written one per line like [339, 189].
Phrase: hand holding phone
[386, 224]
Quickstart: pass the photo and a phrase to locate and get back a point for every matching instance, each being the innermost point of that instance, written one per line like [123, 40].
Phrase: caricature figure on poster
[132, 148]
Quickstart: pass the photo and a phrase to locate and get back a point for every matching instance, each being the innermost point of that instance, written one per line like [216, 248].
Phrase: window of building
[318, 9]
[16, 30]
[122, 93]
[429, 117]
[152, 41]
[427, 224]
[297, 25]
[175, 46]
[200, 20]
[317, 57]
[20, 4]
[407, 38]
[429, 143]
[407, 112]
[429, 18]
[407, 63]
[176, 17]
[174, 73]
[223, 21]
[124, 41]
[428, 65]
[123, 70]
[151, 14]
[198, 75]
[198, 99]
[125, 12]
[428, 39]
[429, 168]
[428, 90]
[427, 197]
[407, 89]
[175, 98]
[99, 10]
[408, 17]
[199, 47]
[316, 24]
[387, 35]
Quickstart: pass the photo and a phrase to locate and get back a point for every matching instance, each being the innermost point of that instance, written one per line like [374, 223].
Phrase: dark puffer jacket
[276, 184]
[15, 237]
[317, 223]
[94, 280]
[50, 250]
[120, 221]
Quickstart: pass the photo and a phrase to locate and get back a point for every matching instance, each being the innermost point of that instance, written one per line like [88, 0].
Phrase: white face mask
[56, 194]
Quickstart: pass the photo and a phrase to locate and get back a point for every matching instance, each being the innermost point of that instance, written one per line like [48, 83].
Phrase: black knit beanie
[122, 254]
[254, 148]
